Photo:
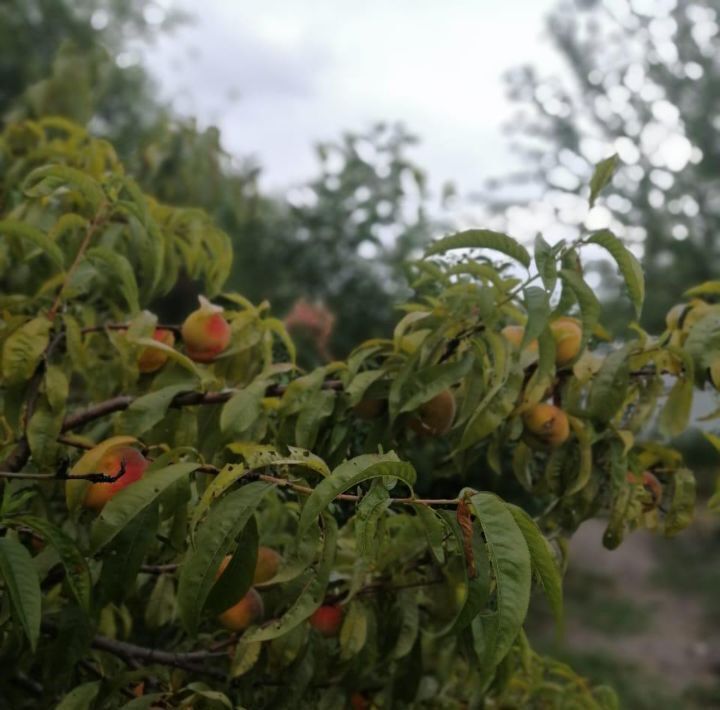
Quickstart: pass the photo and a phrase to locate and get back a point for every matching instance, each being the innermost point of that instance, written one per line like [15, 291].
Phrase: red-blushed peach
[152, 359]
[205, 332]
[359, 702]
[567, 333]
[650, 482]
[548, 423]
[327, 619]
[435, 417]
[97, 494]
[246, 612]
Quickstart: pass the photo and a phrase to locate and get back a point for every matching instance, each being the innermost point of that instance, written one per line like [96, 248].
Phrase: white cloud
[303, 72]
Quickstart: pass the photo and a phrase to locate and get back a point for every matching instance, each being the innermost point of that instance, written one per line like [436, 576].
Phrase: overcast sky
[279, 75]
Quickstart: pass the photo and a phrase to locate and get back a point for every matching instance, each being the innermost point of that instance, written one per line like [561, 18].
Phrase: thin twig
[96, 223]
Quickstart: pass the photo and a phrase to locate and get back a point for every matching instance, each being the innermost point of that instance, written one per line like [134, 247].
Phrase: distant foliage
[189, 520]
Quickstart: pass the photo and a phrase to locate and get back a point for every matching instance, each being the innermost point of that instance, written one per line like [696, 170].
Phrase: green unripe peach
[268, 563]
[435, 417]
[567, 333]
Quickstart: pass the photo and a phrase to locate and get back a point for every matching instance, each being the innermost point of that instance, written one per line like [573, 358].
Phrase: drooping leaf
[602, 176]
[23, 349]
[425, 384]
[215, 537]
[311, 596]
[22, 585]
[44, 244]
[629, 266]
[116, 267]
[682, 501]
[369, 518]
[123, 556]
[537, 306]
[511, 567]
[146, 411]
[542, 560]
[77, 573]
[545, 261]
[481, 239]
[589, 305]
[349, 474]
[81, 697]
[129, 502]
[609, 386]
[243, 408]
[237, 577]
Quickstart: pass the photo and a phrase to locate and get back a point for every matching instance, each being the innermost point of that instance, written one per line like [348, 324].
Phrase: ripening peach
[327, 619]
[435, 417]
[205, 332]
[369, 409]
[268, 563]
[514, 334]
[650, 482]
[548, 423]
[152, 359]
[246, 612]
[97, 494]
[359, 702]
[567, 333]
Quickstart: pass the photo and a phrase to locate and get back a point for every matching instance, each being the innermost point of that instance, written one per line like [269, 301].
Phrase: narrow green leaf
[237, 578]
[425, 384]
[354, 630]
[407, 608]
[23, 349]
[609, 386]
[242, 410]
[481, 239]
[311, 596]
[215, 538]
[146, 411]
[602, 176]
[80, 697]
[589, 305]
[542, 560]
[77, 572]
[22, 586]
[118, 270]
[707, 288]
[511, 567]
[22, 230]
[369, 518]
[682, 501]
[629, 266]
[349, 474]
[537, 306]
[545, 261]
[128, 503]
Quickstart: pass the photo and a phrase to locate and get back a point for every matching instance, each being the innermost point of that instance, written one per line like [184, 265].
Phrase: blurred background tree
[643, 80]
[340, 239]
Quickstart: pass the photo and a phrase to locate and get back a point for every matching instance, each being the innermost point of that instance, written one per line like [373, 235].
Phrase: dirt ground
[678, 644]
[645, 618]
